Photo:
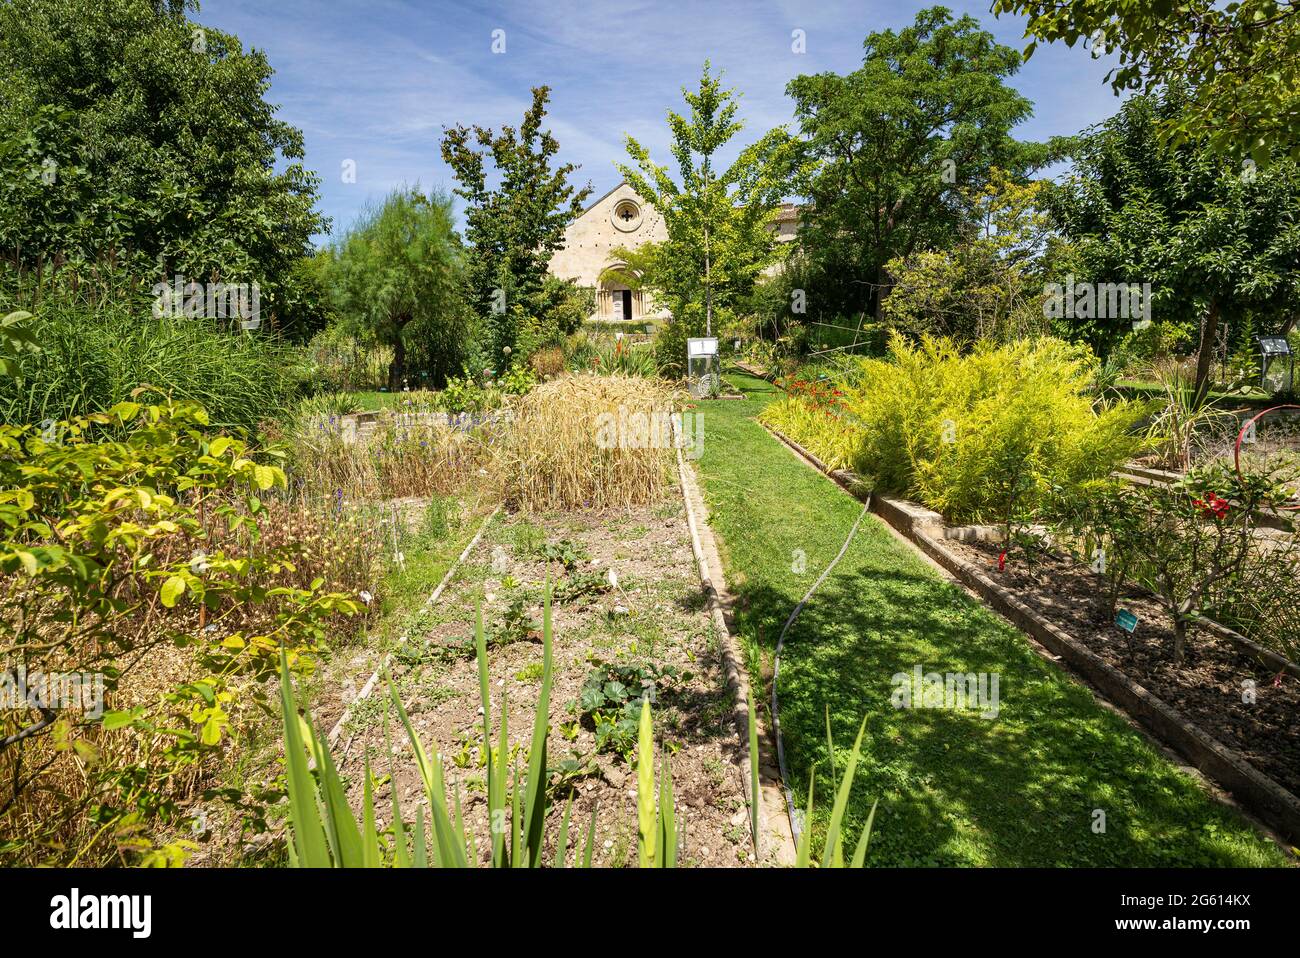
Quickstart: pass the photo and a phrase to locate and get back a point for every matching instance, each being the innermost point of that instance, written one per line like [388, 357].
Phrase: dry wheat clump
[590, 442]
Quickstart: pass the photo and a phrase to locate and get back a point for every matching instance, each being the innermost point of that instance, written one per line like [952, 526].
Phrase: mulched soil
[1206, 687]
[656, 613]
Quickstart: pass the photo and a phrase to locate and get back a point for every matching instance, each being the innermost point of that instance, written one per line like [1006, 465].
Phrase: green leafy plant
[569, 554]
[324, 832]
[123, 533]
[518, 379]
[15, 339]
[612, 695]
[515, 623]
[578, 585]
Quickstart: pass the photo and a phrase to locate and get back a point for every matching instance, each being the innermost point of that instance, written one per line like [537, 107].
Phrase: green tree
[927, 114]
[988, 286]
[1216, 240]
[515, 225]
[398, 280]
[1241, 59]
[133, 139]
[719, 223]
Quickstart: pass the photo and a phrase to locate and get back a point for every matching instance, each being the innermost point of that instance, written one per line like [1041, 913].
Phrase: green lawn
[954, 789]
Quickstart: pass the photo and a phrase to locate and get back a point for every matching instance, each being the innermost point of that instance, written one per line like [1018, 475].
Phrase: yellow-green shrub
[819, 430]
[985, 435]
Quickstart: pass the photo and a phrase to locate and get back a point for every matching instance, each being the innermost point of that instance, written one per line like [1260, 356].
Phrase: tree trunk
[397, 368]
[1205, 353]
[1180, 638]
[883, 286]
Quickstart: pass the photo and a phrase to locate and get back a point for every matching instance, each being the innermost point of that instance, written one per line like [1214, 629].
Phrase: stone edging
[775, 840]
[1256, 791]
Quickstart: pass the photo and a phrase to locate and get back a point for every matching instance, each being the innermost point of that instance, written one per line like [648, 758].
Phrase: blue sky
[374, 82]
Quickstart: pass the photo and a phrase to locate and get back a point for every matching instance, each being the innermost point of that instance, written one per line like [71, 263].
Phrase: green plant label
[1126, 620]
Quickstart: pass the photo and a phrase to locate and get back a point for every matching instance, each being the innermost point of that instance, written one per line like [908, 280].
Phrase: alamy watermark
[192, 300]
[956, 691]
[21, 689]
[1071, 300]
[658, 429]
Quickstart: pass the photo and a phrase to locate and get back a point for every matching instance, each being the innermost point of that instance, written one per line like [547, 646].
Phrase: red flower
[1212, 506]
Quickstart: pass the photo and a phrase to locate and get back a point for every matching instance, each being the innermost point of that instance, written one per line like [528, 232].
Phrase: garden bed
[1206, 687]
[654, 615]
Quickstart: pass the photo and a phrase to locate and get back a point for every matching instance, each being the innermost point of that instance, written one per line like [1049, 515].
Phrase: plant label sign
[1126, 620]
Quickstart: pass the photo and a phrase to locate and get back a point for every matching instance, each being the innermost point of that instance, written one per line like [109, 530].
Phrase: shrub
[988, 434]
[812, 414]
[552, 312]
[518, 379]
[1139, 347]
[585, 441]
[129, 549]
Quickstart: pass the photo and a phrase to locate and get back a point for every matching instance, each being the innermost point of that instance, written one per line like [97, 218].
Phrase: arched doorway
[615, 299]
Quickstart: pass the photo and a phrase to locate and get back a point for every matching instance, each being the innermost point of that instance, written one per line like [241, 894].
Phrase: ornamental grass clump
[587, 441]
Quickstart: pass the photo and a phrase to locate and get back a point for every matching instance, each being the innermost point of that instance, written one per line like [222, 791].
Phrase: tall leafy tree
[134, 139]
[1241, 60]
[988, 286]
[927, 115]
[398, 279]
[1217, 241]
[719, 221]
[519, 204]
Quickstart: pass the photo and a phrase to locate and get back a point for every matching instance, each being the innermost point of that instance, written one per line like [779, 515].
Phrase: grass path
[955, 789]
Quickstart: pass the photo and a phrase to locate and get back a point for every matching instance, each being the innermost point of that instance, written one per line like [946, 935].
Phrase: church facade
[621, 218]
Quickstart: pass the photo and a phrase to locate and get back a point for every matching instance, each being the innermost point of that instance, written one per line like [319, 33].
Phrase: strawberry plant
[612, 695]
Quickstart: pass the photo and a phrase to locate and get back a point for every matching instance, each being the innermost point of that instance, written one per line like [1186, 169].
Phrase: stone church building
[621, 218]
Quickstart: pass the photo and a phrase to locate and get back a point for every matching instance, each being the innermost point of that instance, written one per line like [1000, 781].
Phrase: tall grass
[587, 441]
[324, 832]
[92, 356]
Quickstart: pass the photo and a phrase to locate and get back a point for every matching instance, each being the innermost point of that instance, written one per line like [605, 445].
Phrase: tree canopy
[519, 204]
[1241, 61]
[134, 139]
[719, 222]
[1216, 240]
[399, 281]
[928, 114]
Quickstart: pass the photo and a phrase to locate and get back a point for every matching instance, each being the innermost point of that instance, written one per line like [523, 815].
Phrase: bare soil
[655, 613]
[1208, 686]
